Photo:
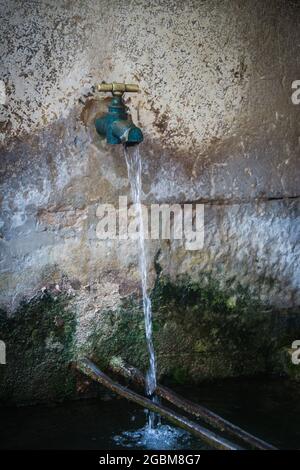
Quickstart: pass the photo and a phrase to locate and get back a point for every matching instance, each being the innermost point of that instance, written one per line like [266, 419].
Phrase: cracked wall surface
[219, 125]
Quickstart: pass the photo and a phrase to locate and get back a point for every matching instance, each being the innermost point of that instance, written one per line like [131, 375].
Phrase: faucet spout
[117, 125]
[126, 132]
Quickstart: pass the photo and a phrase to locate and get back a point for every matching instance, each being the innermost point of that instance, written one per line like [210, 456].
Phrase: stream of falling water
[154, 435]
[134, 168]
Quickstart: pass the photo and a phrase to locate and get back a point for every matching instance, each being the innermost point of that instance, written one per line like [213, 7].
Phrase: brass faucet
[117, 125]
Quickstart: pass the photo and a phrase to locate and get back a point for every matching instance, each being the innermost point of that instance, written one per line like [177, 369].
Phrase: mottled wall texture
[220, 128]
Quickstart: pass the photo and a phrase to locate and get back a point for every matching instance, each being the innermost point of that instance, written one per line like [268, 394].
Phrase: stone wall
[219, 126]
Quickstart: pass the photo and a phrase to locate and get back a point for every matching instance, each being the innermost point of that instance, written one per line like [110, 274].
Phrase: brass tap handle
[118, 89]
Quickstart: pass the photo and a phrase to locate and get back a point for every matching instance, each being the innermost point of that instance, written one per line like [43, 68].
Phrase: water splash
[164, 437]
[134, 168]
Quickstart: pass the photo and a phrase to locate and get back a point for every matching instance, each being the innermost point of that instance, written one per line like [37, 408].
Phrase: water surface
[269, 409]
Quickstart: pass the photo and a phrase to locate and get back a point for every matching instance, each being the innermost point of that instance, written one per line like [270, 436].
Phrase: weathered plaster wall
[219, 127]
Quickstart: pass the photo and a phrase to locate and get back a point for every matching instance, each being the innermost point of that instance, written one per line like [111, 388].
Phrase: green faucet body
[117, 125]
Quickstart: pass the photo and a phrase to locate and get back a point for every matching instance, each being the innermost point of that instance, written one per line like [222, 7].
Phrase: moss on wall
[223, 331]
[120, 333]
[39, 341]
[202, 331]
